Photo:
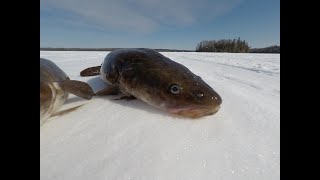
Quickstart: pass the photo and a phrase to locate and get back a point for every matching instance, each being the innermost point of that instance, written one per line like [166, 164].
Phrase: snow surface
[130, 140]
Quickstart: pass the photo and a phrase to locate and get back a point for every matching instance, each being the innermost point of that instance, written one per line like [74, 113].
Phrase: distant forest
[233, 46]
[270, 49]
[104, 49]
[223, 45]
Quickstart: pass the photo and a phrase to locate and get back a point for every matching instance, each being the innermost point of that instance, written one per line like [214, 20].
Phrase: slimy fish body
[157, 80]
[54, 88]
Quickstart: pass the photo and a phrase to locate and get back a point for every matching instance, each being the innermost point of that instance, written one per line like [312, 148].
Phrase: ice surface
[129, 140]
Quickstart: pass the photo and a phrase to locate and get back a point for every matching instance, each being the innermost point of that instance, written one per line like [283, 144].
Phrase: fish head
[178, 92]
[190, 96]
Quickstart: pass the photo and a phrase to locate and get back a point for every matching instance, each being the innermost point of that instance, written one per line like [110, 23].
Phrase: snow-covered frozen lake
[130, 140]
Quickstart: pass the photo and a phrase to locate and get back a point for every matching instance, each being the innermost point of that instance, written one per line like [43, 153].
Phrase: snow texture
[130, 140]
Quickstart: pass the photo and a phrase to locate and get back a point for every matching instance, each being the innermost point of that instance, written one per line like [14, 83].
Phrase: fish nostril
[216, 99]
[198, 94]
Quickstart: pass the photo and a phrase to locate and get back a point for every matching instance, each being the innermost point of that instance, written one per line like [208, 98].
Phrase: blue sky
[173, 24]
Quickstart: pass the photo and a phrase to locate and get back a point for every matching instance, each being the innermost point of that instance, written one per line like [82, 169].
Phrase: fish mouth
[194, 112]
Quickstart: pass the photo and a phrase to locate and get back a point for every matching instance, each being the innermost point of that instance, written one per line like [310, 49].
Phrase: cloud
[136, 15]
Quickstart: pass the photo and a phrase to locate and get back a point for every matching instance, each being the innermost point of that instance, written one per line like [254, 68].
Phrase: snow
[130, 140]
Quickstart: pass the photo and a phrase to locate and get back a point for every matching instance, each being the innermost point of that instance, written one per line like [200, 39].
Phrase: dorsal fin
[91, 71]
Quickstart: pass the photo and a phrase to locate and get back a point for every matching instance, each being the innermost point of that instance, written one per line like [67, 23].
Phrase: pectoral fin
[77, 88]
[66, 111]
[128, 98]
[109, 90]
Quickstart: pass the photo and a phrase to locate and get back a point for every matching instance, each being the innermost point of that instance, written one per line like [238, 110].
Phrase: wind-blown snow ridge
[107, 139]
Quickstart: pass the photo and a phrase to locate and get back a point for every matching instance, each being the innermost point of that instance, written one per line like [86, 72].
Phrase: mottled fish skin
[52, 94]
[152, 78]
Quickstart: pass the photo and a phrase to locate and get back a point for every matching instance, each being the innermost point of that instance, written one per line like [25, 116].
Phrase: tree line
[223, 45]
[105, 49]
[270, 49]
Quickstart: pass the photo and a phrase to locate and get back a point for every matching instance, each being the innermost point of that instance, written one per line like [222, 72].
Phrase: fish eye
[174, 89]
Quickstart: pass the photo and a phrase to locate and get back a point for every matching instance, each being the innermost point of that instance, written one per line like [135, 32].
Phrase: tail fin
[91, 71]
